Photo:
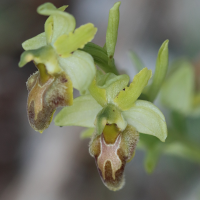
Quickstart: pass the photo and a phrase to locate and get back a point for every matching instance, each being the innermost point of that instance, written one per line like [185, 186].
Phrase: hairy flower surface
[113, 110]
[60, 65]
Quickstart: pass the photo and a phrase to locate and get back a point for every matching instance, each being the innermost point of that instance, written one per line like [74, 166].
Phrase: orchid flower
[60, 65]
[116, 118]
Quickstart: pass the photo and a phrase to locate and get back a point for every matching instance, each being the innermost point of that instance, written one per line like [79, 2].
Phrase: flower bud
[45, 94]
[111, 150]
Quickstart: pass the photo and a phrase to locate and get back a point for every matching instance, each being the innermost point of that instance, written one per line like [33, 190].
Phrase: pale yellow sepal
[147, 119]
[81, 69]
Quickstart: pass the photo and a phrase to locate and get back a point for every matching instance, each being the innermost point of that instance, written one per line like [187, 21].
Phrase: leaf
[177, 91]
[126, 98]
[83, 112]
[35, 42]
[66, 44]
[160, 72]
[147, 119]
[112, 30]
[100, 57]
[81, 69]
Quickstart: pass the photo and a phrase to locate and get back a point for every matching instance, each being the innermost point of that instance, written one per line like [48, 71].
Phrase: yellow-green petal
[63, 22]
[66, 44]
[147, 119]
[106, 86]
[35, 42]
[126, 98]
[99, 94]
[82, 113]
[115, 85]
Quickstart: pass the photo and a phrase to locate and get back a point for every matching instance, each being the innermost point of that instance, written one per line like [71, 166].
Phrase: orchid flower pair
[108, 104]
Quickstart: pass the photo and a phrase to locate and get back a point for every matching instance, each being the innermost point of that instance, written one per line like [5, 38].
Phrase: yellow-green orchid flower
[117, 118]
[60, 65]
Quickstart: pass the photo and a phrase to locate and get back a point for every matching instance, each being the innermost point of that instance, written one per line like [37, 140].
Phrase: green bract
[57, 47]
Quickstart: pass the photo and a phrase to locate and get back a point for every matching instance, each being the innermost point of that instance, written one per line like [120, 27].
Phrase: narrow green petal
[126, 98]
[66, 44]
[81, 69]
[160, 72]
[63, 23]
[45, 55]
[87, 133]
[177, 91]
[147, 119]
[35, 42]
[83, 112]
[112, 30]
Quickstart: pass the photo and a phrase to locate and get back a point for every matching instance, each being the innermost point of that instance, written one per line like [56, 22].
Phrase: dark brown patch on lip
[55, 93]
[118, 182]
[125, 150]
[43, 118]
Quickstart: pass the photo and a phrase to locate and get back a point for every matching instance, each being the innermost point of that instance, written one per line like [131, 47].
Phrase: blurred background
[56, 165]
